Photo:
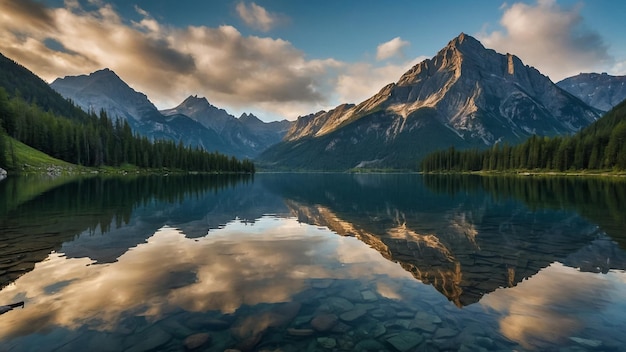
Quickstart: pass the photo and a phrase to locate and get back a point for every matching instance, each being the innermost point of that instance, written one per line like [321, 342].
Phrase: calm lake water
[313, 262]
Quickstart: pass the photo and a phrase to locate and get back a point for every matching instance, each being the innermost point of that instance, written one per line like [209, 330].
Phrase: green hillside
[20, 157]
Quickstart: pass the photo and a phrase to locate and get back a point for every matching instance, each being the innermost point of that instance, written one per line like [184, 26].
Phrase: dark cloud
[162, 56]
[29, 12]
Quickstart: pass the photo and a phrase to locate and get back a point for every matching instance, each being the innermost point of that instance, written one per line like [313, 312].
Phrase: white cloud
[257, 17]
[551, 38]
[619, 68]
[547, 307]
[391, 48]
[362, 80]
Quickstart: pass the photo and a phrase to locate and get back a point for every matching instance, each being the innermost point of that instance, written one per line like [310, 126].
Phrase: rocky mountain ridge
[195, 121]
[602, 91]
[465, 96]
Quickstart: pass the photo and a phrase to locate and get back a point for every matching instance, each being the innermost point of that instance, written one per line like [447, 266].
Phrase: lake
[313, 262]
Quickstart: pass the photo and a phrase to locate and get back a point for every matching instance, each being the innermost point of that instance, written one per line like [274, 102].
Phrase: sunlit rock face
[466, 96]
[602, 91]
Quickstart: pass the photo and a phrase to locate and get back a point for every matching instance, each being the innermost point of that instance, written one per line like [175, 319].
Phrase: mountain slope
[246, 136]
[104, 90]
[18, 80]
[466, 96]
[601, 91]
[194, 121]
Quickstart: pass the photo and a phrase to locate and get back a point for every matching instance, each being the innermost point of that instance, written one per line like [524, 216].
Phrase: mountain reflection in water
[248, 259]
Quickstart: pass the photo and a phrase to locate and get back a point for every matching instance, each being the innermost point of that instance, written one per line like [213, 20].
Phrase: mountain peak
[249, 118]
[104, 73]
[464, 43]
[193, 100]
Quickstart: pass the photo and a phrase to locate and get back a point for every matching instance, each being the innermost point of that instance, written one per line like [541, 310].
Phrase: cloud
[165, 62]
[549, 37]
[266, 76]
[257, 17]
[27, 13]
[391, 48]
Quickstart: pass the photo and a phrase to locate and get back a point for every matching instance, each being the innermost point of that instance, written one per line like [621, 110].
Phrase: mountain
[601, 91]
[465, 96]
[104, 89]
[194, 121]
[247, 135]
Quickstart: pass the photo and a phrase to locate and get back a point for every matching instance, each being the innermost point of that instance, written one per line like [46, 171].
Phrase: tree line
[602, 145]
[97, 140]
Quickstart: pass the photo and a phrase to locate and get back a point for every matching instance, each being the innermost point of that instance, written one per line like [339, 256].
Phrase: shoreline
[527, 173]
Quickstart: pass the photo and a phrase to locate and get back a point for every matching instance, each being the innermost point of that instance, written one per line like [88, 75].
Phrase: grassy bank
[25, 160]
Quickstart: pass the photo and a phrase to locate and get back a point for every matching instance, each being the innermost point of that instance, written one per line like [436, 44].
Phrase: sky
[280, 59]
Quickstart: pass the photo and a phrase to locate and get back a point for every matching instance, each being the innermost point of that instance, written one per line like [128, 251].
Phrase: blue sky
[283, 58]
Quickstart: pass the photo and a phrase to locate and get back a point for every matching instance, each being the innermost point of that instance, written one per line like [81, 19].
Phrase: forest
[600, 146]
[97, 140]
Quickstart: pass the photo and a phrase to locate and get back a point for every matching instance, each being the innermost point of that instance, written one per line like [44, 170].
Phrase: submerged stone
[405, 341]
[353, 314]
[426, 326]
[327, 342]
[195, 341]
[339, 304]
[445, 333]
[368, 296]
[324, 322]
[300, 332]
[378, 330]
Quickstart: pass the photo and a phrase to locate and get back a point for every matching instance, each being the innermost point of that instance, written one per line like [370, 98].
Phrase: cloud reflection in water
[240, 264]
[554, 305]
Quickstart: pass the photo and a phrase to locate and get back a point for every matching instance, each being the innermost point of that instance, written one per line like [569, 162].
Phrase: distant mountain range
[466, 96]
[195, 121]
[601, 91]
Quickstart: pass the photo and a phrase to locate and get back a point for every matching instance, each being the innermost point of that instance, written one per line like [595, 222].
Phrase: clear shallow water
[314, 263]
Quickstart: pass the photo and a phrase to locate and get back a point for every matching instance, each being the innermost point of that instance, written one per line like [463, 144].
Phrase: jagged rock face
[601, 91]
[105, 90]
[314, 123]
[199, 109]
[465, 96]
[195, 121]
[248, 135]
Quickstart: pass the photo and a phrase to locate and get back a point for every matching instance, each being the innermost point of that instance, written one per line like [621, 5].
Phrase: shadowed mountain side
[245, 136]
[601, 91]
